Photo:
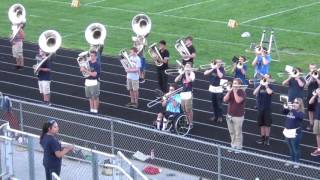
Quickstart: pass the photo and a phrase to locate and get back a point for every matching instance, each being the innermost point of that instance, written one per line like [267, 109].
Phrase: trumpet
[314, 74]
[182, 48]
[240, 64]
[316, 92]
[168, 95]
[125, 60]
[155, 54]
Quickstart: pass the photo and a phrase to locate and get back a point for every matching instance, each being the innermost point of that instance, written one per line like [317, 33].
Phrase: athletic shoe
[219, 119]
[308, 128]
[267, 141]
[260, 140]
[296, 166]
[287, 164]
[130, 104]
[142, 81]
[316, 152]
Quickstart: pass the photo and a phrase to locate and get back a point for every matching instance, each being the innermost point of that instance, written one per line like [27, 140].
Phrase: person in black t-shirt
[52, 150]
[162, 76]
[296, 85]
[264, 92]
[313, 83]
[44, 76]
[192, 51]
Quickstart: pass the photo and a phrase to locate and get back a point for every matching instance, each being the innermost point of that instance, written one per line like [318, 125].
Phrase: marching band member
[192, 51]
[162, 76]
[296, 84]
[264, 93]
[240, 69]
[216, 74]
[141, 40]
[293, 129]
[261, 64]
[235, 116]
[44, 76]
[17, 45]
[172, 105]
[312, 83]
[92, 84]
[187, 76]
[315, 99]
[133, 78]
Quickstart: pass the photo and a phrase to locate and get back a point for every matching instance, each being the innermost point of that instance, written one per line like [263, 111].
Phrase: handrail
[132, 165]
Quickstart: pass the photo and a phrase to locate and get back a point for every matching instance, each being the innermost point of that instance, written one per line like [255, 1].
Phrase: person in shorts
[17, 45]
[92, 82]
[44, 76]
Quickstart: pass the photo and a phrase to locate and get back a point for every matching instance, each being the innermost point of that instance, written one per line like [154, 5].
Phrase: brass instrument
[95, 34]
[49, 41]
[125, 60]
[316, 92]
[264, 81]
[168, 95]
[17, 16]
[155, 54]
[180, 70]
[182, 48]
[228, 86]
[83, 61]
[214, 66]
[314, 74]
[141, 25]
[240, 64]
[259, 47]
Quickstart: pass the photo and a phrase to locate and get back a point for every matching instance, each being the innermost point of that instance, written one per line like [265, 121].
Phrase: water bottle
[152, 154]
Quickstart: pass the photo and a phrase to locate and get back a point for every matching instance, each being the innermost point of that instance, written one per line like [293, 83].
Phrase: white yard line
[95, 2]
[189, 18]
[280, 12]
[186, 6]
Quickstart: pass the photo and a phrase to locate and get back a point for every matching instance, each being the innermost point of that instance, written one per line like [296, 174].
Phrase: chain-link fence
[184, 157]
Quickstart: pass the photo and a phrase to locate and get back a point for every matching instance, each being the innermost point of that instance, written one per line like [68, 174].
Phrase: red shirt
[236, 109]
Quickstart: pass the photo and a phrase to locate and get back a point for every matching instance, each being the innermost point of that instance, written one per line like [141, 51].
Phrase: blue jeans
[49, 172]
[294, 147]
[216, 99]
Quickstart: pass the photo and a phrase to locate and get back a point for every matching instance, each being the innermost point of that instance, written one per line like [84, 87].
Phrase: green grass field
[296, 24]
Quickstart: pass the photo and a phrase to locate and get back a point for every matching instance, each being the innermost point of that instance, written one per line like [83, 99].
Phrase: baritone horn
[182, 48]
[95, 34]
[155, 54]
[83, 61]
[17, 16]
[125, 60]
[49, 42]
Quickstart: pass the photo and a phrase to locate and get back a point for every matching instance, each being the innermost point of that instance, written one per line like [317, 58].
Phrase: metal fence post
[95, 168]
[21, 115]
[112, 137]
[219, 162]
[31, 158]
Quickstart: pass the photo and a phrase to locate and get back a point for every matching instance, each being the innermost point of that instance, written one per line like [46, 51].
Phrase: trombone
[168, 95]
[294, 73]
[214, 66]
[179, 70]
[228, 86]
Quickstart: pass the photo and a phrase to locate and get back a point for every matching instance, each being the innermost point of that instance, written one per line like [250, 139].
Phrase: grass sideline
[296, 24]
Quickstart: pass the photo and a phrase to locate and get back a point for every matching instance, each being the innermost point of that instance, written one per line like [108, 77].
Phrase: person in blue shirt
[44, 76]
[261, 64]
[294, 114]
[172, 103]
[264, 98]
[216, 73]
[52, 149]
[240, 71]
[296, 85]
[92, 82]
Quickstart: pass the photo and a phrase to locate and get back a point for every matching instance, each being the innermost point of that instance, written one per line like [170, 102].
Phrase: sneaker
[129, 104]
[267, 141]
[316, 152]
[309, 128]
[142, 81]
[212, 119]
[135, 105]
[296, 166]
[287, 164]
[261, 140]
[219, 119]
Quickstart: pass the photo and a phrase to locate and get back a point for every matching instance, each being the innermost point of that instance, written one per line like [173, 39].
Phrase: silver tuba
[49, 41]
[182, 48]
[155, 54]
[141, 25]
[95, 34]
[83, 61]
[125, 60]
[17, 16]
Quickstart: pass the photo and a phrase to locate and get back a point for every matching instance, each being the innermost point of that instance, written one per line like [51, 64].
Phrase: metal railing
[27, 143]
[181, 156]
